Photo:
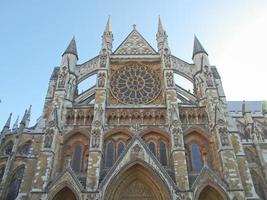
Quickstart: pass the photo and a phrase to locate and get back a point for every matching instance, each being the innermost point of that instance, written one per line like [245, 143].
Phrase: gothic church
[136, 134]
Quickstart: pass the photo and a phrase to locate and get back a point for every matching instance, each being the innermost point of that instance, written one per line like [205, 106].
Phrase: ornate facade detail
[101, 79]
[135, 84]
[135, 44]
[136, 133]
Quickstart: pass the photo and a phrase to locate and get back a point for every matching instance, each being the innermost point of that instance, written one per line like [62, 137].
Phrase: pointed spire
[7, 124]
[107, 38]
[28, 119]
[198, 48]
[160, 26]
[108, 26]
[24, 118]
[71, 49]
[16, 124]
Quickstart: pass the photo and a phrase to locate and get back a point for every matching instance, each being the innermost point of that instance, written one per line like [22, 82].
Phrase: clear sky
[35, 33]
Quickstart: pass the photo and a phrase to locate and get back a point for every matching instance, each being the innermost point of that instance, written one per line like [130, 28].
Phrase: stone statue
[62, 77]
[209, 78]
[95, 138]
[103, 58]
[101, 79]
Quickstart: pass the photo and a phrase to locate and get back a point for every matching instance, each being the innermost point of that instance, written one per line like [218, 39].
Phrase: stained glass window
[196, 157]
[14, 185]
[8, 148]
[163, 154]
[2, 171]
[76, 160]
[109, 155]
[120, 148]
[152, 148]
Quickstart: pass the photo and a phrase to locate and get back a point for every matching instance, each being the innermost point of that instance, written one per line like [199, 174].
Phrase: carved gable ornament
[135, 44]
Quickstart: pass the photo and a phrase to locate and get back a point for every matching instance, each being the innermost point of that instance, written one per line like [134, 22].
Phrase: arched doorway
[137, 183]
[209, 193]
[65, 194]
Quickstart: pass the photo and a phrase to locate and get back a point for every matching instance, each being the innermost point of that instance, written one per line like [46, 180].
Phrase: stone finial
[15, 125]
[108, 26]
[71, 49]
[198, 48]
[160, 26]
[7, 124]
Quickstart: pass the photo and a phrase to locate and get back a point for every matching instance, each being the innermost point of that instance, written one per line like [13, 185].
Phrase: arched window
[163, 154]
[196, 157]
[109, 155]
[25, 149]
[15, 183]
[76, 160]
[2, 171]
[8, 148]
[152, 148]
[120, 148]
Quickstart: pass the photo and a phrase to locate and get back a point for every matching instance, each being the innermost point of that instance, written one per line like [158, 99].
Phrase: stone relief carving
[224, 136]
[137, 152]
[49, 133]
[169, 79]
[62, 77]
[103, 58]
[96, 138]
[101, 79]
[209, 77]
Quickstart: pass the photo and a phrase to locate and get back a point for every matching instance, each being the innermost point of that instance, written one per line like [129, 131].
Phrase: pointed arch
[59, 190]
[15, 183]
[137, 176]
[65, 193]
[211, 190]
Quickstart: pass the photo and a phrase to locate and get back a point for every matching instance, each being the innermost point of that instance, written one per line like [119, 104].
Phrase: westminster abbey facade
[136, 134]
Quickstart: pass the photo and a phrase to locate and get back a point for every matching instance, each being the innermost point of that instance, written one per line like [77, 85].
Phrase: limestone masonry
[136, 133]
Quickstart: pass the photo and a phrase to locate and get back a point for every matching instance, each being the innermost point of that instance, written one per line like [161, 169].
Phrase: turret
[28, 117]
[7, 125]
[107, 38]
[16, 124]
[70, 55]
[200, 56]
[162, 39]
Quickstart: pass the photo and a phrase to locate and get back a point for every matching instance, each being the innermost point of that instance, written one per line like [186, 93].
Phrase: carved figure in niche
[101, 79]
[177, 136]
[96, 138]
[62, 77]
[136, 152]
[98, 113]
[48, 138]
[167, 58]
[209, 78]
[224, 136]
[103, 58]
[174, 113]
[169, 77]
[248, 130]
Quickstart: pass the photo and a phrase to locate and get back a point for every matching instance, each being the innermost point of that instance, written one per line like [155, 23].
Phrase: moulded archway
[209, 193]
[65, 194]
[137, 183]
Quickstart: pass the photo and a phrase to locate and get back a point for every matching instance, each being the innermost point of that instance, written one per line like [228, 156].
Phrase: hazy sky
[35, 33]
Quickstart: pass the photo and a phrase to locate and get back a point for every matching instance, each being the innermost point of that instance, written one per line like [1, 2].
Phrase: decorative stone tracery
[135, 84]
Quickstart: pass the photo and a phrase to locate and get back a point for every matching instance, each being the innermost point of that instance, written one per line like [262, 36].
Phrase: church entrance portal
[65, 194]
[137, 183]
[209, 193]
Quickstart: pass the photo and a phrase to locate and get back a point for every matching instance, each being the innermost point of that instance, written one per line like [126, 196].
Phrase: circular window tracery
[135, 85]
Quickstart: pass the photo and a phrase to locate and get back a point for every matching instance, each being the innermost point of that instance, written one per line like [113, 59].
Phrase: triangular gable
[208, 176]
[137, 151]
[66, 178]
[135, 44]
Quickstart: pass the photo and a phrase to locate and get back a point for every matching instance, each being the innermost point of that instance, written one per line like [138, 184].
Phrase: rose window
[135, 85]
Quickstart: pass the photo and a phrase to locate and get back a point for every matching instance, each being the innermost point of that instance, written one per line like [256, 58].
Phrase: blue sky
[35, 33]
